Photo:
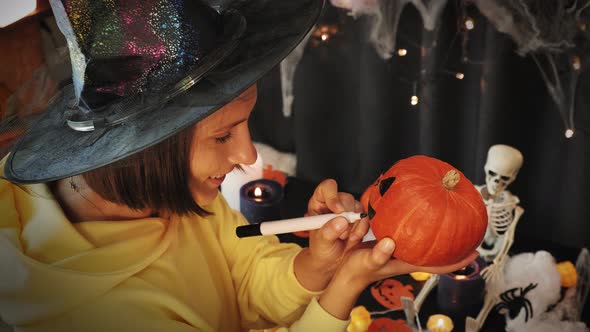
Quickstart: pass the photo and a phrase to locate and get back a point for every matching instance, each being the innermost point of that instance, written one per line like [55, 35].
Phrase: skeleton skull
[501, 167]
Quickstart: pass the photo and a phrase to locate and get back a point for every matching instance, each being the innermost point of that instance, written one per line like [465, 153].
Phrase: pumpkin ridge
[438, 234]
[402, 223]
[473, 207]
[466, 202]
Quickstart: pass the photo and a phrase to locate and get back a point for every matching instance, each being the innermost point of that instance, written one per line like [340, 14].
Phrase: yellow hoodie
[182, 274]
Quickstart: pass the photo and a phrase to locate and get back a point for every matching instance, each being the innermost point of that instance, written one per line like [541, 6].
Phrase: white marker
[294, 225]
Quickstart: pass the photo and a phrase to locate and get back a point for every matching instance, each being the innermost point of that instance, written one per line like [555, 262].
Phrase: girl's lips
[217, 181]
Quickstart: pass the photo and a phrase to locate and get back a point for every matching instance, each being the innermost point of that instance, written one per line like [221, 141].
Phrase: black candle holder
[263, 204]
[461, 293]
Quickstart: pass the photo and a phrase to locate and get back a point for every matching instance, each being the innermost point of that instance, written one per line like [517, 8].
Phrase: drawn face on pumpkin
[371, 197]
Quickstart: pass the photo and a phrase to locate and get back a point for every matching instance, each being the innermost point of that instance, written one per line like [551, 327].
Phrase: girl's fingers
[360, 229]
[358, 207]
[332, 230]
[381, 253]
[325, 197]
[347, 201]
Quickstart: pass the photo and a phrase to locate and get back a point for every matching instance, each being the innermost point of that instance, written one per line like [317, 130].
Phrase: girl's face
[220, 142]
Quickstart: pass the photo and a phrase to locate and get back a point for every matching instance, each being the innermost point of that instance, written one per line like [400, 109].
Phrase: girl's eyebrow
[231, 125]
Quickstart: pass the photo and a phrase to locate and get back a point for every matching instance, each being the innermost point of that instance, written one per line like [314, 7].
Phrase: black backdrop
[352, 117]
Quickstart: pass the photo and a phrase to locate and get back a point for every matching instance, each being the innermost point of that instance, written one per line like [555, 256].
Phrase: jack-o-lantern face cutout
[429, 208]
[388, 293]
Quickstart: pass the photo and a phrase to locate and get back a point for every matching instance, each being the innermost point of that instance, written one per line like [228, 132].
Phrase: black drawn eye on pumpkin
[385, 184]
[381, 186]
[370, 211]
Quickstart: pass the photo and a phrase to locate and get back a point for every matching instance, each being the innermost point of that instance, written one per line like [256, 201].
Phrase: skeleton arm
[502, 256]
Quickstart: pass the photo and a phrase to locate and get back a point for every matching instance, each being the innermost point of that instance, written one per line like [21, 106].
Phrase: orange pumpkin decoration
[389, 292]
[429, 208]
[389, 325]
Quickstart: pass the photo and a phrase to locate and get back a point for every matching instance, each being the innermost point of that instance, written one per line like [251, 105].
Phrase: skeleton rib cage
[501, 212]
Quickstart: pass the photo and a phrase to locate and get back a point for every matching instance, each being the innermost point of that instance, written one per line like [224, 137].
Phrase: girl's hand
[329, 245]
[366, 265]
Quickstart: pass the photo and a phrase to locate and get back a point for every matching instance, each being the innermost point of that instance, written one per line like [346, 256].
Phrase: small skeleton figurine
[502, 166]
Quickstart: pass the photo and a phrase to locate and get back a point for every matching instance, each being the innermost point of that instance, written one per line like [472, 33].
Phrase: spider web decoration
[550, 31]
[554, 33]
[385, 16]
[288, 67]
[561, 81]
[535, 25]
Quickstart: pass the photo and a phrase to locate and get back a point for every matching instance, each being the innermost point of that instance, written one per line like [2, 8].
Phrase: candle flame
[257, 192]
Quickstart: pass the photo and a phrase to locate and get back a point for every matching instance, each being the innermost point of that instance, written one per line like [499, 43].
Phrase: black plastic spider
[514, 300]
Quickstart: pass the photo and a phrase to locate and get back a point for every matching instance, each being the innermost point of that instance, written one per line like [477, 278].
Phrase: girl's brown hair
[155, 178]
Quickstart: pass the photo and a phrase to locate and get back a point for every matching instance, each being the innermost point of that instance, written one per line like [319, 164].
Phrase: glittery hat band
[139, 49]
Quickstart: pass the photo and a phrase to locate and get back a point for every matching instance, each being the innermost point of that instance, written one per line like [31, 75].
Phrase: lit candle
[233, 182]
[360, 319]
[420, 276]
[460, 293]
[260, 200]
[439, 323]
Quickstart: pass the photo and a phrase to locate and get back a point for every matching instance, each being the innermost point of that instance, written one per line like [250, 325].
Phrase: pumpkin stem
[451, 179]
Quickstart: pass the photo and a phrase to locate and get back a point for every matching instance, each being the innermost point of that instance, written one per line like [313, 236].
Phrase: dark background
[352, 117]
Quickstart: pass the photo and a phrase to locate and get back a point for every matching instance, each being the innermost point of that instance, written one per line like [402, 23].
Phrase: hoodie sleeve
[315, 318]
[264, 279]
[10, 226]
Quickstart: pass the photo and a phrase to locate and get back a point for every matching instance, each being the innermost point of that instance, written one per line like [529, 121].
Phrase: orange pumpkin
[429, 208]
[385, 324]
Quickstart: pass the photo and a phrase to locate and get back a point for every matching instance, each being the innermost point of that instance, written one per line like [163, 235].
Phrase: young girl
[112, 218]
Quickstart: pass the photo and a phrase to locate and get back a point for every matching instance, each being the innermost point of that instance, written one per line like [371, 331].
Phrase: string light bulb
[402, 52]
[569, 133]
[469, 23]
[460, 76]
[323, 33]
[576, 62]
[414, 99]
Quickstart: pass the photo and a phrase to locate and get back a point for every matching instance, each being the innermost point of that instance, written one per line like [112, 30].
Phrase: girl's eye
[224, 138]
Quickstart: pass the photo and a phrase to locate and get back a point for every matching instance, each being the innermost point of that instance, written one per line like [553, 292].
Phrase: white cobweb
[546, 30]
[534, 25]
[385, 16]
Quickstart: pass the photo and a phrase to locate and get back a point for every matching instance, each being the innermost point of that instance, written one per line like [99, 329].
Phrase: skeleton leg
[473, 325]
[492, 273]
[411, 307]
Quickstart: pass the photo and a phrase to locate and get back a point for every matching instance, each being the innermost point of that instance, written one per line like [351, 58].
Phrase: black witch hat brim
[51, 150]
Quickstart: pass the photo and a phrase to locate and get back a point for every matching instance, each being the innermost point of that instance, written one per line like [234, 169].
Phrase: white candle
[230, 188]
